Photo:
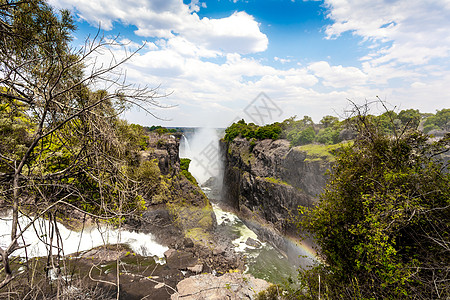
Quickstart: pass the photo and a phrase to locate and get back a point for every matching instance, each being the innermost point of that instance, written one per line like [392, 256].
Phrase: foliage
[302, 137]
[276, 181]
[331, 131]
[328, 136]
[298, 132]
[382, 223]
[410, 118]
[252, 131]
[184, 166]
[273, 292]
[329, 121]
[148, 176]
[15, 131]
[320, 152]
[440, 121]
[134, 135]
[62, 144]
[161, 130]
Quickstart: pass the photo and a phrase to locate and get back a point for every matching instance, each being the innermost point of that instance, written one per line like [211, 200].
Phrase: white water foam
[244, 232]
[38, 237]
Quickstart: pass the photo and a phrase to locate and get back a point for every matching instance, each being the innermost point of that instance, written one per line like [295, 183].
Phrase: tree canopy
[382, 224]
[61, 142]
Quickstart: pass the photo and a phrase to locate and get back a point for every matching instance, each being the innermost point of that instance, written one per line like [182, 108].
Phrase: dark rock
[252, 243]
[270, 180]
[188, 243]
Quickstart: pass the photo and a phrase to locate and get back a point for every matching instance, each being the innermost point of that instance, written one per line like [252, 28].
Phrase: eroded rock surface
[270, 179]
[233, 286]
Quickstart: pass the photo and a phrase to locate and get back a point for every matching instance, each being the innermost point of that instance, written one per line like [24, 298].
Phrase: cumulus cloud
[204, 63]
[238, 32]
[417, 31]
[338, 76]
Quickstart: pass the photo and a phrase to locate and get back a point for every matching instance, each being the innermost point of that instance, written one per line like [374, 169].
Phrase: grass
[276, 181]
[317, 152]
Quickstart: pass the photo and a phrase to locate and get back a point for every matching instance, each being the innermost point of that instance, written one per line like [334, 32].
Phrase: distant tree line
[331, 130]
[160, 130]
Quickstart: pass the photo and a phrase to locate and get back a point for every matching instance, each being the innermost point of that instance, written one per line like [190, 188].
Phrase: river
[265, 262]
[38, 238]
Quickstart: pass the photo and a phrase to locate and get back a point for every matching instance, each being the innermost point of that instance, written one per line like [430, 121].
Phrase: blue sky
[214, 57]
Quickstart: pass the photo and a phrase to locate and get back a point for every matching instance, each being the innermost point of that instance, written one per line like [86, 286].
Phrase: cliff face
[176, 207]
[268, 180]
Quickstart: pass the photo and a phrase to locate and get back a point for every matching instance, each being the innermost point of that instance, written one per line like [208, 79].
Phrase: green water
[270, 265]
[264, 262]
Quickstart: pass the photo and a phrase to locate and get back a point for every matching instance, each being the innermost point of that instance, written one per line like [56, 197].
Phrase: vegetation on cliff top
[331, 131]
[382, 224]
[184, 166]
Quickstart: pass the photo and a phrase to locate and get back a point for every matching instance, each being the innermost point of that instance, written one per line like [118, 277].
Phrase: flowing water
[38, 236]
[263, 261]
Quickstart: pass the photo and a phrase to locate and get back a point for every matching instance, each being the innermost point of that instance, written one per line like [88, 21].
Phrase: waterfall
[185, 148]
[202, 148]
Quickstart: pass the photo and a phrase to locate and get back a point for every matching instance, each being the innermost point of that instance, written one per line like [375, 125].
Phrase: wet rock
[233, 286]
[253, 243]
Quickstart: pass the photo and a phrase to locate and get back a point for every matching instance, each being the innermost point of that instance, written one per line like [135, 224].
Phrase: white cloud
[202, 62]
[417, 30]
[282, 60]
[338, 76]
[169, 18]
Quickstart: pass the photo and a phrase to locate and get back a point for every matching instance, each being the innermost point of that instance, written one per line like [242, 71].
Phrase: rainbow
[304, 245]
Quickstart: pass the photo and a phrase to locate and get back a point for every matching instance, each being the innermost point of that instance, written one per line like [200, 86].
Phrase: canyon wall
[268, 180]
[176, 207]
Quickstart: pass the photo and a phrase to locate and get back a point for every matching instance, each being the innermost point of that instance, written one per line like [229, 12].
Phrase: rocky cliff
[175, 207]
[268, 180]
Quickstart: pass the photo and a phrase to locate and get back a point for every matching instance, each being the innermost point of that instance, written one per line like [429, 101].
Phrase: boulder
[253, 243]
[234, 286]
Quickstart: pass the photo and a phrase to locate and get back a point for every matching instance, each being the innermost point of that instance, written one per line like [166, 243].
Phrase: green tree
[303, 137]
[410, 118]
[441, 120]
[329, 121]
[328, 136]
[66, 147]
[382, 224]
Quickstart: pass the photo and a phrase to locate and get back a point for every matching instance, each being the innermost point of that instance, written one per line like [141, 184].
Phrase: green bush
[184, 166]
[303, 137]
[382, 223]
[252, 131]
[148, 173]
[441, 120]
